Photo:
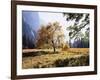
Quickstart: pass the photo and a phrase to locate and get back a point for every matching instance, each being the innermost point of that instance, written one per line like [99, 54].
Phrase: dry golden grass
[48, 60]
[79, 50]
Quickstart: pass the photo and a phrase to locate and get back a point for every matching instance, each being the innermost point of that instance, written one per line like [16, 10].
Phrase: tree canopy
[81, 20]
[50, 35]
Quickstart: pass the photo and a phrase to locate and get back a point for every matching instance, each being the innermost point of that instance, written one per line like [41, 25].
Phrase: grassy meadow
[46, 58]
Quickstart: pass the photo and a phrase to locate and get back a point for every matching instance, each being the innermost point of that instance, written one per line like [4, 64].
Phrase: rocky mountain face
[28, 35]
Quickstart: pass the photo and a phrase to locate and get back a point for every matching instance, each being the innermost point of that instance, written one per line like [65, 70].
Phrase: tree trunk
[54, 48]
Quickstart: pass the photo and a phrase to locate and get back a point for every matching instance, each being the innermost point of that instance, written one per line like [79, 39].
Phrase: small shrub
[65, 47]
[59, 63]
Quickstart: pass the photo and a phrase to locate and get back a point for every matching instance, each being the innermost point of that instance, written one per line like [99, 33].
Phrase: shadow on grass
[79, 61]
[38, 53]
